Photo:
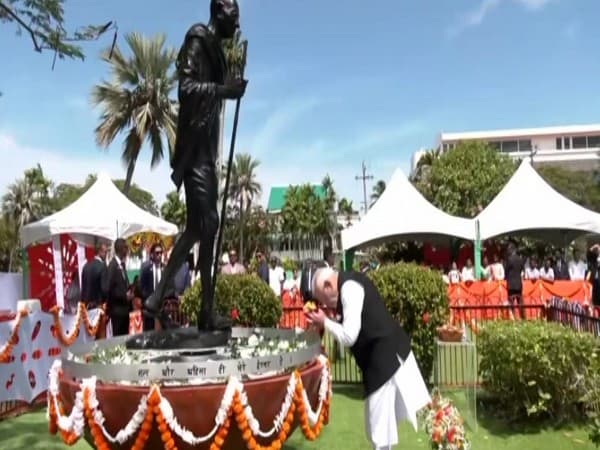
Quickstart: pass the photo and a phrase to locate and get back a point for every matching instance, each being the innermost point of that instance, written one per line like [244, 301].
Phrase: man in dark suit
[92, 294]
[514, 278]
[150, 276]
[119, 296]
[561, 268]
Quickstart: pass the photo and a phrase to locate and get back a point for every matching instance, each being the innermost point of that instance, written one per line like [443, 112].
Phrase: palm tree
[234, 55]
[346, 208]
[424, 164]
[378, 190]
[244, 188]
[136, 101]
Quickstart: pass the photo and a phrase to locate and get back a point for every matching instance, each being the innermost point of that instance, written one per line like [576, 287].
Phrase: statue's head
[225, 16]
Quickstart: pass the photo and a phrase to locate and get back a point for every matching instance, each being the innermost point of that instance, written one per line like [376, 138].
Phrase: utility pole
[364, 177]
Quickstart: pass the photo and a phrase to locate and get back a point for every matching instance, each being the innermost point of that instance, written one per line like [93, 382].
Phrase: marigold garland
[82, 315]
[237, 411]
[13, 339]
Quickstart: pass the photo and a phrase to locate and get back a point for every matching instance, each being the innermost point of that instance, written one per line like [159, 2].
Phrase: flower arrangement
[256, 345]
[444, 424]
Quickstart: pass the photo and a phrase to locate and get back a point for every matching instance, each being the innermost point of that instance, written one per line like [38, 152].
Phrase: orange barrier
[534, 292]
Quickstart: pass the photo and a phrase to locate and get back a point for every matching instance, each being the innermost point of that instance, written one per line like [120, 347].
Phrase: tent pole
[477, 252]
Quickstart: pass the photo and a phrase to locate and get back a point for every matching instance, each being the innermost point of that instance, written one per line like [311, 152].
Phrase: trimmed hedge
[247, 299]
[417, 297]
[537, 370]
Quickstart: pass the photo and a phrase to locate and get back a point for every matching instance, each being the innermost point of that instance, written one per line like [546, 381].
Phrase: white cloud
[282, 160]
[477, 15]
[61, 168]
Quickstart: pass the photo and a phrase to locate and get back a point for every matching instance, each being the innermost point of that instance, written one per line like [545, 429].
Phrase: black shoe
[214, 322]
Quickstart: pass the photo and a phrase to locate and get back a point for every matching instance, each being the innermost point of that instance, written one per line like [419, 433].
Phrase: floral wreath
[155, 407]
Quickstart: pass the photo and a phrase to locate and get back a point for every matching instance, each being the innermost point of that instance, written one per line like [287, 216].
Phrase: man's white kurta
[401, 397]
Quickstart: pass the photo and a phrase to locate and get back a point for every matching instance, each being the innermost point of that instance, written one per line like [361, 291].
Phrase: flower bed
[444, 425]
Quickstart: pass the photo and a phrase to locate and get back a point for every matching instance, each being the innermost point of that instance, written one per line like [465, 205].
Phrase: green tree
[304, 213]
[378, 189]
[346, 208]
[136, 102]
[66, 193]
[244, 189]
[28, 199]
[9, 243]
[579, 186]
[44, 21]
[466, 179]
[424, 164]
[174, 210]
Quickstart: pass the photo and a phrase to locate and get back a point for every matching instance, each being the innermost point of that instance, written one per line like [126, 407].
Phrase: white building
[572, 146]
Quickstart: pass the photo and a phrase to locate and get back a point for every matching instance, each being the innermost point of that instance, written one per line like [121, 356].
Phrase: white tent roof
[529, 205]
[101, 211]
[402, 212]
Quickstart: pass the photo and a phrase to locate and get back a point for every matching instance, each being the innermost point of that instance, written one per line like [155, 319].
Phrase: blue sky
[330, 83]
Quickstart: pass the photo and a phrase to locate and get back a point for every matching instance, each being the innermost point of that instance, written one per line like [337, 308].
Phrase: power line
[364, 177]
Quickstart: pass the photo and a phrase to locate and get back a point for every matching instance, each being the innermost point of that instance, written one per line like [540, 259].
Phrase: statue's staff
[244, 45]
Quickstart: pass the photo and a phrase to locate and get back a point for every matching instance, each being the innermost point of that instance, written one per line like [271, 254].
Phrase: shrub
[418, 298]
[248, 300]
[535, 369]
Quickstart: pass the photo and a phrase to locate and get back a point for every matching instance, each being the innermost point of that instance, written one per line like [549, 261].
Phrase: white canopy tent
[403, 213]
[102, 211]
[529, 205]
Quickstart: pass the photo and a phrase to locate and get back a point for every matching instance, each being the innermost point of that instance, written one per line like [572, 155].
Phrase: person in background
[183, 278]
[593, 273]
[577, 267]
[443, 273]
[468, 272]
[497, 269]
[276, 276]
[514, 278]
[454, 274]
[116, 285]
[233, 267]
[150, 276]
[532, 272]
[547, 272]
[92, 293]
[561, 268]
[263, 267]
[486, 269]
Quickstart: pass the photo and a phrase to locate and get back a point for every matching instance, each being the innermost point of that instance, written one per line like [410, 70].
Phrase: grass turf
[345, 431]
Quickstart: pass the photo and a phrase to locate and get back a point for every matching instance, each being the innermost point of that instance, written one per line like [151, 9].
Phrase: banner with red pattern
[30, 343]
[42, 283]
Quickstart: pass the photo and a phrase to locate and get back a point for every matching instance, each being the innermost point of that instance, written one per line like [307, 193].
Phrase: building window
[559, 143]
[580, 142]
[525, 146]
[510, 146]
[567, 141]
[495, 145]
[593, 141]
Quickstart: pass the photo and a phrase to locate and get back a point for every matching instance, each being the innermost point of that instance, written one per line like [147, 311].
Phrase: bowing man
[393, 385]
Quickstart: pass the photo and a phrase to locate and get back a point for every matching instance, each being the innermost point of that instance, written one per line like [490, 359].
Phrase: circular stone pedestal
[195, 406]
[151, 398]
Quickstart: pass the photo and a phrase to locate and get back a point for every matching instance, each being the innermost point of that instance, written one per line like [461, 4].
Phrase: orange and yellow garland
[236, 412]
[82, 315]
[13, 339]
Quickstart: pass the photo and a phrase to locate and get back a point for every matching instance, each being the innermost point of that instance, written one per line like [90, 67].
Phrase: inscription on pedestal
[196, 371]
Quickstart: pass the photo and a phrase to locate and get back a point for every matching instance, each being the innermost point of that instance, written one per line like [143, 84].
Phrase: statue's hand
[233, 89]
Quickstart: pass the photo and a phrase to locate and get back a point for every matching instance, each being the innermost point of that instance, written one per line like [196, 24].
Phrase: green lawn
[345, 431]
